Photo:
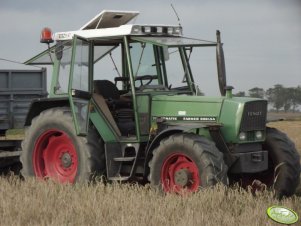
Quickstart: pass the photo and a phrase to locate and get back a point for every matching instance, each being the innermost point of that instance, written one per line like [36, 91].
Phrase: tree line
[279, 97]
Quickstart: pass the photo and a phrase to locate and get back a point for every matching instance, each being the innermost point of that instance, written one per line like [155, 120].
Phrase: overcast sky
[262, 38]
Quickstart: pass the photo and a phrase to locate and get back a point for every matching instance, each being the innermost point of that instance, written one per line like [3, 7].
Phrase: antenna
[176, 15]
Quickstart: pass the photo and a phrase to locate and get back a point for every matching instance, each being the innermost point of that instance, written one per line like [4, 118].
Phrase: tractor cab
[118, 69]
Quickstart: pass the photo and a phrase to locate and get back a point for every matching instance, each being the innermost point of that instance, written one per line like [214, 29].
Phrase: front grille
[254, 116]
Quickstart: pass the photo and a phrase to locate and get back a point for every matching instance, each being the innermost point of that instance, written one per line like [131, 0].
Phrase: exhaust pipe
[221, 68]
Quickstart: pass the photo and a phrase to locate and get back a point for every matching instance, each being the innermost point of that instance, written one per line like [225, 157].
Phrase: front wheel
[51, 149]
[186, 162]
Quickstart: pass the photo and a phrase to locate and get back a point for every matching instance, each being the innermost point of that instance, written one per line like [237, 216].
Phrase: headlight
[160, 30]
[178, 31]
[170, 30]
[147, 29]
[259, 135]
[242, 136]
[136, 29]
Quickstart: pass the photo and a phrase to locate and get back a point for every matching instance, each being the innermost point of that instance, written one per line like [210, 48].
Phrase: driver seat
[121, 109]
[107, 89]
[110, 92]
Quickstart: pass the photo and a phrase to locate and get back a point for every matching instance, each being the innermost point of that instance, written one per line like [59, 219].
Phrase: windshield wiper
[115, 67]
[143, 47]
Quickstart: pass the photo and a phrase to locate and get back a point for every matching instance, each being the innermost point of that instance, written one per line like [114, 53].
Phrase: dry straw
[35, 202]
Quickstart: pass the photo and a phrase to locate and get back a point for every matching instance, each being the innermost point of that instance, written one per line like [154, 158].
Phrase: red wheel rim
[55, 157]
[180, 173]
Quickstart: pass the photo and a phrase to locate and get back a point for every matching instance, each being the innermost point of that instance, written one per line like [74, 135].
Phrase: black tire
[203, 153]
[285, 163]
[10, 166]
[89, 150]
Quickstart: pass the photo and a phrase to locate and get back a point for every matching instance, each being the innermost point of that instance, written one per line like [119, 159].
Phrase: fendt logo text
[254, 113]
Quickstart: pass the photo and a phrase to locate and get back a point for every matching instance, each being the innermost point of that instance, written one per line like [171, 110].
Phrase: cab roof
[110, 25]
[109, 19]
[113, 23]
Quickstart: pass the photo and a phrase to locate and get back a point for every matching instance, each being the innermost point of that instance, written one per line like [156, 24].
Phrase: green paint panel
[186, 106]
[231, 116]
[102, 127]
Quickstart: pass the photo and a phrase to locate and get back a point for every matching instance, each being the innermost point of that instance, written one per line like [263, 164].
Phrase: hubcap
[179, 172]
[182, 177]
[66, 160]
[55, 157]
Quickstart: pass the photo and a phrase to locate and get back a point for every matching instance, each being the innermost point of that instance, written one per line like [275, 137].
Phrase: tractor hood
[247, 115]
[235, 114]
[186, 108]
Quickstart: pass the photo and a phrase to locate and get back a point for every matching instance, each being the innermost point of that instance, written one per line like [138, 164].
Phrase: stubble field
[46, 203]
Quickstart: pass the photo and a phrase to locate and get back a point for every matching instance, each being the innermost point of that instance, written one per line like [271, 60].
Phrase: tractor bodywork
[141, 106]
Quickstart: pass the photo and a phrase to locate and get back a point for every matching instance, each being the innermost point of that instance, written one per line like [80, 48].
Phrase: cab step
[124, 159]
[120, 178]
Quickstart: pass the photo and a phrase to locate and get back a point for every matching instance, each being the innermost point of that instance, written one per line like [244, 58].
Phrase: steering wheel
[145, 77]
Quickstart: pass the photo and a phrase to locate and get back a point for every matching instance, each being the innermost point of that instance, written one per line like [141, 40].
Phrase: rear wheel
[186, 162]
[51, 149]
[285, 163]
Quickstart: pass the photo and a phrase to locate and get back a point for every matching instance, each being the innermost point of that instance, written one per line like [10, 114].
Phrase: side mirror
[221, 68]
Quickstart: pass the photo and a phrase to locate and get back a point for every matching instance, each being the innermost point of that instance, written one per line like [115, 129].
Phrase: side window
[81, 66]
[65, 52]
[203, 65]
[174, 67]
[108, 63]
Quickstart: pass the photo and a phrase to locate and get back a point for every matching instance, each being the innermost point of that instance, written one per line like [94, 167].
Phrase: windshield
[144, 63]
[165, 65]
[168, 60]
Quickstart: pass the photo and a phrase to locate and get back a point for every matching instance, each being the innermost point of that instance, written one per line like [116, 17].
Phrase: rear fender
[42, 104]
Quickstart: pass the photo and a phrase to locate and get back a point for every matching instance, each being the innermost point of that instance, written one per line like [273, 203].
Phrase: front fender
[170, 130]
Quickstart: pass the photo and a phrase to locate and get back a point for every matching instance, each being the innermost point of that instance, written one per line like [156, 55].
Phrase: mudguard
[170, 130]
[42, 104]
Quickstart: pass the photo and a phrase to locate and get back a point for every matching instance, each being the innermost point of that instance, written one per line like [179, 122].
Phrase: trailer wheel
[51, 149]
[186, 162]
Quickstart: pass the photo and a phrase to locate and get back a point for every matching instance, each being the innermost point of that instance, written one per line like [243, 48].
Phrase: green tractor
[148, 122]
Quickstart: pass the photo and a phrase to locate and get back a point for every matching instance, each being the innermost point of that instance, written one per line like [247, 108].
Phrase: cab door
[80, 83]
